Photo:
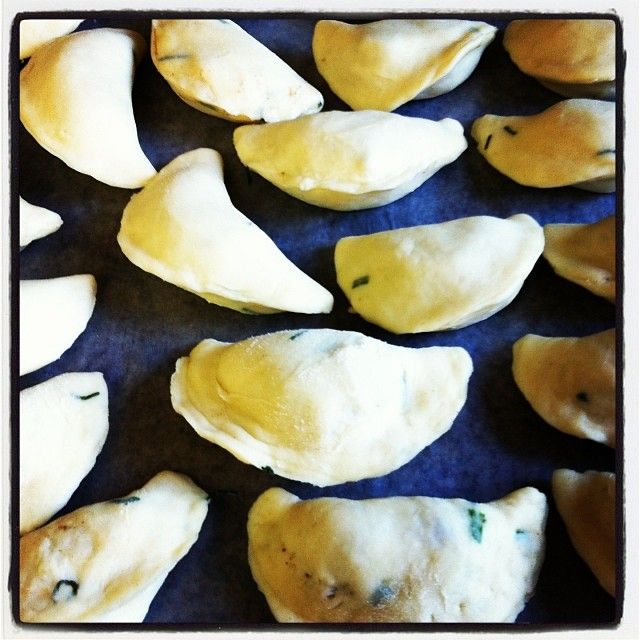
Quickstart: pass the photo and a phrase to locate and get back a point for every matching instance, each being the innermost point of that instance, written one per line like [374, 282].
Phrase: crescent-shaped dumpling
[53, 313]
[348, 160]
[399, 559]
[105, 562]
[584, 254]
[63, 425]
[216, 67]
[75, 100]
[36, 222]
[570, 382]
[184, 228]
[573, 57]
[36, 32]
[587, 504]
[320, 405]
[381, 65]
[572, 143]
[438, 276]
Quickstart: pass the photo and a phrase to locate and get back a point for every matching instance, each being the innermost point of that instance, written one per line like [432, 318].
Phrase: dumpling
[575, 57]
[63, 425]
[348, 160]
[36, 222]
[320, 405]
[572, 143]
[400, 559]
[584, 254]
[183, 228]
[218, 68]
[381, 65]
[106, 562]
[570, 382]
[438, 276]
[35, 33]
[53, 313]
[75, 100]
[587, 504]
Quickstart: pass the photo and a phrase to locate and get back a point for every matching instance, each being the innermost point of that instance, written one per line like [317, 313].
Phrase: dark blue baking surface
[141, 325]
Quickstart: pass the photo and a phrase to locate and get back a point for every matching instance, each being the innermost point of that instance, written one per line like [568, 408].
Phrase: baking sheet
[141, 325]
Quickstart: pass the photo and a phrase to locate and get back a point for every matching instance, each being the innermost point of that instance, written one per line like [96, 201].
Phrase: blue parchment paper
[141, 325]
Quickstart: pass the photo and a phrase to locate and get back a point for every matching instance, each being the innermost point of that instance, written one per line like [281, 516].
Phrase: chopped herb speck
[64, 590]
[488, 141]
[520, 532]
[89, 396]
[509, 130]
[358, 282]
[477, 523]
[250, 312]
[267, 469]
[126, 500]
[604, 152]
[297, 335]
[583, 396]
[381, 595]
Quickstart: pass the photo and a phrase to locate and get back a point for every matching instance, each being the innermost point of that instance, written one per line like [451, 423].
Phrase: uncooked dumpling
[36, 222]
[438, 276]
[587, 503]
[574, 57]
[571, 382]
[34, 33]
[320, 405]
[183, 228]
[63, 425]
[400, 559]
[75, 100]
[53, 313]
[584, 254]
[572, 143]
[105, 562]
[349, 160]
[381, 65]
[218, 68]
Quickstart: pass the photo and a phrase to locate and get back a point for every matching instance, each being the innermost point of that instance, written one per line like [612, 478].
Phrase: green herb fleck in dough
[250, 312]
[476, 524]
[583, 396]
[126, 500]
[358, 282]
[604, 152]
[175, 56]
[509, 130]
[268, 470]
[89, 396]
[64, 590]
[297, 335]
[520, 532]
[488, 141]
[382, 594]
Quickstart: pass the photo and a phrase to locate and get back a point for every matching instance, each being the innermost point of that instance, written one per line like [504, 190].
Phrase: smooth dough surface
[381, 65]
[400, 559]
[572, 143]
[571, 382]
[36, 222]
[63, 424]
[75, 100]
[36, 32]
[184, 228]
[105, 562]
[320, 405]
[574, 57]
[216, 67]
[438, 276]
[587, 504]
[53, 313]
[584, 254]
[348, 160]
